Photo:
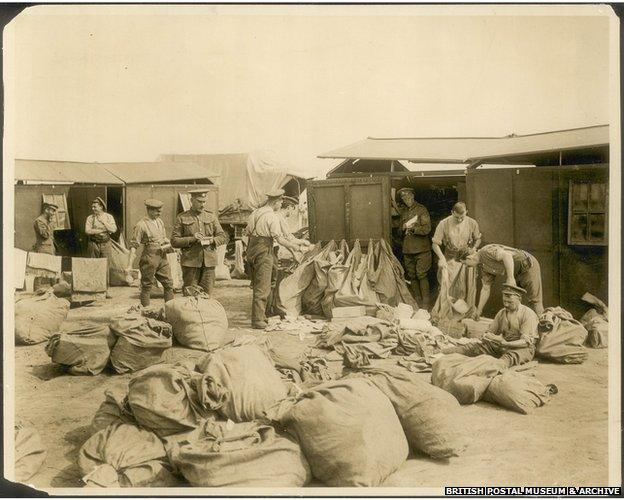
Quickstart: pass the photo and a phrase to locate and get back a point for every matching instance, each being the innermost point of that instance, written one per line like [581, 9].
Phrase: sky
[129, 83]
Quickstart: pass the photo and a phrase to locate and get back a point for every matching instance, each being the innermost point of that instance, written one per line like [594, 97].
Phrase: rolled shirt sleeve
[109, 223]
[475, 231]
[137, 236]
[438, 235]
[528, 325]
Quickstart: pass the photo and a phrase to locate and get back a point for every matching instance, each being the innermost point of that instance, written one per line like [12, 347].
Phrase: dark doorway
[438, 195]
[114, 206]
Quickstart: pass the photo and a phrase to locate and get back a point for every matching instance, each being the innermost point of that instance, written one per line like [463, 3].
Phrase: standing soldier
[264, 228]
[457, 233]
[150, 232]
[99, 227]
[416, 226]
[198, 232]
[44, 230]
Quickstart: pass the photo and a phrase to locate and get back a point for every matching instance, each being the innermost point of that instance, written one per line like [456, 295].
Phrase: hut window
[588, 213]
[61, 220]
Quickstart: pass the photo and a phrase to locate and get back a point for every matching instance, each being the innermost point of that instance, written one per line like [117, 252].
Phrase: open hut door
[518, 207]
[80, 200]
[355, 208]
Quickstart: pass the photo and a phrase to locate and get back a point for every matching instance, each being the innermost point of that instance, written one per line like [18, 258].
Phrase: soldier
[150, 232]
[264, 228]
[44, 230]
[416, 249]
[512, 335]
[99, 227]
[515, 265]
[198, 232]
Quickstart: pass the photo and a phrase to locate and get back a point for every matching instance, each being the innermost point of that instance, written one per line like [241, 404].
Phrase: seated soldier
[511, 336]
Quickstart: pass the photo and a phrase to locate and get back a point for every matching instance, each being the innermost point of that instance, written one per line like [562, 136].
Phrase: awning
[161, 171]
[44, 171]
[471, 149]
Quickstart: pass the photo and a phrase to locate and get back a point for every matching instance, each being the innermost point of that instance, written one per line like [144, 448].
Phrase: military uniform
[44, 233]
[153, 263]
[264, 227]
[527, 272]
[99, 229]
[198, 261]
[416, 250]
[512, 326]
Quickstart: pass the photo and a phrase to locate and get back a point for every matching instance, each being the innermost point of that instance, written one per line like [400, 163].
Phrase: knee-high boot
[145, 297]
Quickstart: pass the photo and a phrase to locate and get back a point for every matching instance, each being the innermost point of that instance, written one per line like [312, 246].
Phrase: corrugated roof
[63, 171]
[470, 149]
[158, 171]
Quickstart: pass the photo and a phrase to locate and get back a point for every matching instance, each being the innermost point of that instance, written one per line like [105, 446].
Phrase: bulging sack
[198, 322]
[244, 382]
[124, 455]
[465, 378]
[141, 342]
[84, 349]
[114, 409]
[221, 454]
[563, 343]
[518, 392]
[348, 431]
[429, 415]
[169, 399]
[597, 329]
[30, 454]
[39, 317]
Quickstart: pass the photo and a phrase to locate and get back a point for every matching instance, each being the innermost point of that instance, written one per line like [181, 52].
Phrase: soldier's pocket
[188, 228]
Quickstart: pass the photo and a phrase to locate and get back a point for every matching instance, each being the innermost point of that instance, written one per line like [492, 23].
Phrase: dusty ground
[563, 443]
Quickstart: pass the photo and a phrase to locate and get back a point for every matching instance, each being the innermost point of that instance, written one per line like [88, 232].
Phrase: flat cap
[275, 193]
[51, 205]
[153, 203]
[198, 192]
[513, 290]
[99, 200]
[405, 190]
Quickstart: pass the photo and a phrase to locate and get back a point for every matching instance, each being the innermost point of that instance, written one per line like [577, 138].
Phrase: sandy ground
[563, 443]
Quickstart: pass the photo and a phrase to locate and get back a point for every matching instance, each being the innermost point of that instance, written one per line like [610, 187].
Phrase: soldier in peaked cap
[266, 227]
[511, 336]
[99, 227]
[150, 232]
[198, 232]
[44, 229]
[415, 226]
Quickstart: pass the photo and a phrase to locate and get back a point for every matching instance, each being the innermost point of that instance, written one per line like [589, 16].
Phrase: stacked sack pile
[231, 420]
[132, 341]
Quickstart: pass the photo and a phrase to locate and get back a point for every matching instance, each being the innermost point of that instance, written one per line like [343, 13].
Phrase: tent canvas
[244, 176]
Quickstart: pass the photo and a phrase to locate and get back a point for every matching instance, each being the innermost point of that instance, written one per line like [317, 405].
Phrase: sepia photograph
[312, 250]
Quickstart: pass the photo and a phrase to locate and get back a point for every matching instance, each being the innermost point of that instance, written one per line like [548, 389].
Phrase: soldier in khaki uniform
[44, 230]
[266, 227]
[150, 232]
[198, 232]
[416, 226]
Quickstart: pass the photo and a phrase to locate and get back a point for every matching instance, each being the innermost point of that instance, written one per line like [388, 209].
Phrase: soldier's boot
[145, 297]
[414, 289]
[169, 294]
[424, 292]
